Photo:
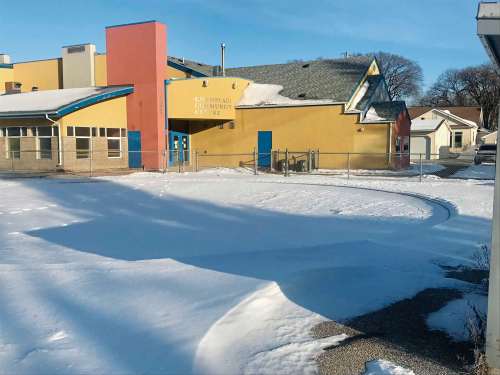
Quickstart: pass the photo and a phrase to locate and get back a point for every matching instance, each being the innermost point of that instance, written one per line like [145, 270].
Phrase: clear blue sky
[438, 34]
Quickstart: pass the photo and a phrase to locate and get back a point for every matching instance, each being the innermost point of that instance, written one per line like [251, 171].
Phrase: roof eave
[72, 107]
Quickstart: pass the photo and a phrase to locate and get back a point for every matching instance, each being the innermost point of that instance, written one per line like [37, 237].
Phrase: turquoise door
[264, 145]
[178, 145]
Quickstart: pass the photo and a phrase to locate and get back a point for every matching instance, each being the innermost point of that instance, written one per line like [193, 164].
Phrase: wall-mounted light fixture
[205, 83]
[234, 86]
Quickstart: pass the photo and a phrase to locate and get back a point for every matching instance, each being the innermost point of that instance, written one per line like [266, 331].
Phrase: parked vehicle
[486, 153]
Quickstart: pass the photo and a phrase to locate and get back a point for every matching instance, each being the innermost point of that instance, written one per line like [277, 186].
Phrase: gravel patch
[397, 333]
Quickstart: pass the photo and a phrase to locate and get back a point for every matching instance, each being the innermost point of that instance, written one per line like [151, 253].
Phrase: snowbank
[382, 367]
[452, 318]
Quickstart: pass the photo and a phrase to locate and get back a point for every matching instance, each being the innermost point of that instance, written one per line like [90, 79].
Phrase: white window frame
[38, 137]
[89, 137]
[461, 139]
[7, 143]
[119, 138]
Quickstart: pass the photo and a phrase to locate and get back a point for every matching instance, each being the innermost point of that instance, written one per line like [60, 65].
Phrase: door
[178, 144]
[420, 145]
[134, 149]
[264, 145]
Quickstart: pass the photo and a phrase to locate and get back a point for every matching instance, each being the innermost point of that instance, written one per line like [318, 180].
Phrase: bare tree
[478, 85]
[403, 76]
[448, 90]
[483, 86]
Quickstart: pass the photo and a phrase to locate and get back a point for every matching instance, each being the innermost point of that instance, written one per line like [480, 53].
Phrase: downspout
[390, 144]
[59, 139]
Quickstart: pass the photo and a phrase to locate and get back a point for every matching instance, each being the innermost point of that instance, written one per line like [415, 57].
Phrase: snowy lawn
[219, 272]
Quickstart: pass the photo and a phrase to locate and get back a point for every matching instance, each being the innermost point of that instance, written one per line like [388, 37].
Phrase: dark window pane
[33, 132]
[124, 132]
[56, 131]
[14, 132]
[113, 133]
[45, 148]
[71, 131]
[24, 132]
[94, 132]
[82, 148]
[14, 148]
[114, 148]
[82, 132]
[102, 132]
[44, 131]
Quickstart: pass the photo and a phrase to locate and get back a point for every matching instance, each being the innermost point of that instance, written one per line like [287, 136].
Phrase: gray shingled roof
[389, 110]
[194, 65]
[320, 79]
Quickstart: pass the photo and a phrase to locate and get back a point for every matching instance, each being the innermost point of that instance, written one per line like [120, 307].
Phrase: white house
[463, 131]
[430, 138]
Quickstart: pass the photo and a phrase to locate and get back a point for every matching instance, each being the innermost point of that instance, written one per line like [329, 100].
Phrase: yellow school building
[136, 107]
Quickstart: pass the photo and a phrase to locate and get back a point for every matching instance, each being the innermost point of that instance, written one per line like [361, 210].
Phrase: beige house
[463, 131]
[489, 139]
[430, 138]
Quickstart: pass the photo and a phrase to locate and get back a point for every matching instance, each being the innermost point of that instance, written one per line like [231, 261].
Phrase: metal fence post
[271, 166]
[197, 161]
[90, 156]
[255, 156]
[286, 162]
[348, 166]
[421, 168]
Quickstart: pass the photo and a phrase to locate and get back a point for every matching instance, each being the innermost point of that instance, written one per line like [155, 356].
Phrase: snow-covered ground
[481, 171]
[218, 272]
[453, 318]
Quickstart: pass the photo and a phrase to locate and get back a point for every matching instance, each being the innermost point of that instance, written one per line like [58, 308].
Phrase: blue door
[178, 144]
[265, 145]
[134, 149]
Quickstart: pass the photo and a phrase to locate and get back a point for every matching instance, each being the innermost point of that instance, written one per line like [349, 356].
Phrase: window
[44, 132]
[458, 139]
[14, 148]
[94, 132]
[406, 144]
[398, 144]
[114, 143]
[70, 131]
[14, 132]
[124, 132]
[113, 133]
[80, 131]
[82, 148]
[45, 148]
[102, 132]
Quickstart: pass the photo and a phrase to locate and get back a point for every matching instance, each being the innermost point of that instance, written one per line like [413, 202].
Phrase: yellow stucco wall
[109, 114]
[6, 75]
[299, 129]
[174, 73]
[101, 78]
[204, 98]
[44, 74]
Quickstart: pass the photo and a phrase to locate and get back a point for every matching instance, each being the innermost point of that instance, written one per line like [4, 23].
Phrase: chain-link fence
[286, 162]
